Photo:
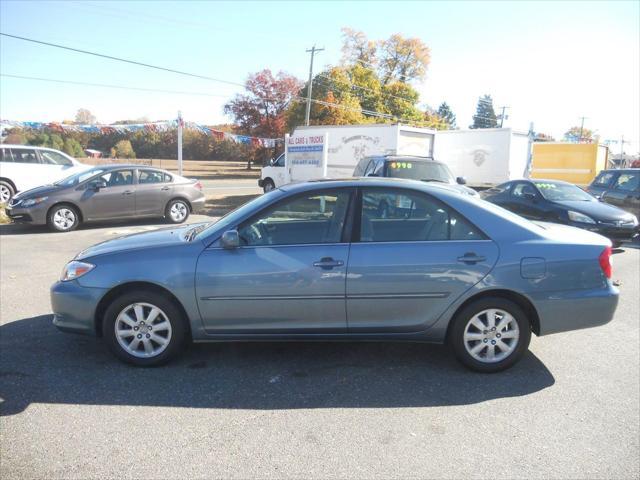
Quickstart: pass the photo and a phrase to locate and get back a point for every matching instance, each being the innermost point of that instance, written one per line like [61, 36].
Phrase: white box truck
[485, 157]
[328, 151]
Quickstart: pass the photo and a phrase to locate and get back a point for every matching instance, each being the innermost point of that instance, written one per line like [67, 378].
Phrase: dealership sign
[306, 156]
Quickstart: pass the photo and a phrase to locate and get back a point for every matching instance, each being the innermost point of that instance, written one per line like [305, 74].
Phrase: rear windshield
[419, 170]
[562, 192]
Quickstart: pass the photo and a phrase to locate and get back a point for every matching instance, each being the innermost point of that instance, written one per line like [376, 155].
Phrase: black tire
[68, 212]
[174, 316]
[457, 332]
[177, 211]
[6, 191]
[268, 185]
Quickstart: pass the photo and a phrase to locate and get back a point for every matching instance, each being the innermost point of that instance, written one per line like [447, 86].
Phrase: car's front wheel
[144, 328]
[490, 334]
[63, 218]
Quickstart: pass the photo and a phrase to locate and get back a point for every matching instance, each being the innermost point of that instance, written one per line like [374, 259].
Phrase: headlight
[75, 269]
[33, 201]
[579, 217]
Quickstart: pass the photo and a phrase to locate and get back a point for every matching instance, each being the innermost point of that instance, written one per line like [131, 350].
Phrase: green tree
[401, 101]
[71, 147]
[123, 149]
[447, 115]
[485, 116]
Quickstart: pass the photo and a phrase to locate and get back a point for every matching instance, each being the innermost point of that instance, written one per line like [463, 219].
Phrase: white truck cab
[274, 175]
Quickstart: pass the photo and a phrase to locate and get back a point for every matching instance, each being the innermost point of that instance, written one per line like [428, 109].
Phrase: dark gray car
[108, 193]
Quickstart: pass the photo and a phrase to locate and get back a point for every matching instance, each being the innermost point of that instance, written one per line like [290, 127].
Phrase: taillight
[198, 185]
[605, 262]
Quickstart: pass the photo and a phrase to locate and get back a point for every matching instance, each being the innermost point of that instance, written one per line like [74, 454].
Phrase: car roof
[327, 183]
[35, 147]
[413, 158]
[117, 166]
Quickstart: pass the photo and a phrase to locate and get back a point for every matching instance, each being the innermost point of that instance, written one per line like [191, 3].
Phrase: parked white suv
[23, 167]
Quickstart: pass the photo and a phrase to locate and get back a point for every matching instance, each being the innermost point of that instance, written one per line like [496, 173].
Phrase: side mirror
[271, 162]
[461, 181]
[230, 239]
[96, 185]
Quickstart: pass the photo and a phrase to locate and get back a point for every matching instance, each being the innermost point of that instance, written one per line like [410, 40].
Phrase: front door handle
[470, 258]
[164, 189]
[127, 192]
[327, 263]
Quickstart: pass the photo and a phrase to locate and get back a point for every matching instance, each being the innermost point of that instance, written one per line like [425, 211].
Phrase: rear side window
[398, 216]
[24, 155]
[604, 179]
[628, 182]
[54, 158]
[151, 176]
[5, 155]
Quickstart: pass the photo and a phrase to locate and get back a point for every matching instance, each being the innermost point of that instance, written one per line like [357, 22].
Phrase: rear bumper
[74, 307]
[197, 205]
[575, 309]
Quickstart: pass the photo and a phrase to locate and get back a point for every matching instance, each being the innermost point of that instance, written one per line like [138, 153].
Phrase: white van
[23, 167]
[333, 151]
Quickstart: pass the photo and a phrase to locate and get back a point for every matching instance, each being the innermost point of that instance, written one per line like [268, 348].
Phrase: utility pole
[621, 164]
[581, 128]
[313, 52]
[502, 115]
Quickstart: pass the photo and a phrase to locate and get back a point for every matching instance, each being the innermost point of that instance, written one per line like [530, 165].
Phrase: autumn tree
[262, 111]
[485, 116]
[84, 117]
[577, 134]
[357, 48]
[123, 149]
[402, 59]
[447, 115]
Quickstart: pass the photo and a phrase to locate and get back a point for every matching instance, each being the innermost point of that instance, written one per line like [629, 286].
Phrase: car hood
[596, 210]
[38, 192]
[157, 238]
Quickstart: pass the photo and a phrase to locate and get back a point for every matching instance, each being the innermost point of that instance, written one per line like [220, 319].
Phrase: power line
[118, 59]
[380, 92]
[122, 87]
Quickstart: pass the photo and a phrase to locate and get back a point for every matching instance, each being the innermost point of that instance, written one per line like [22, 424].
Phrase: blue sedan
[360, 259]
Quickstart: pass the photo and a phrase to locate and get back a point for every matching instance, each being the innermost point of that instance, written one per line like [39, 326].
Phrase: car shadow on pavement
[41, 365]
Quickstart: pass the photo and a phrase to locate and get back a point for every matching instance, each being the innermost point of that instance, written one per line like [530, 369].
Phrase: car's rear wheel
[268, 185]
[6, 191]
[490, 334]
[177, 211]
[63, 218]
[144, 328]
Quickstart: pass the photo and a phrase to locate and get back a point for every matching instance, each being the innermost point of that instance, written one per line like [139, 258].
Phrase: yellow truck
[577, 163]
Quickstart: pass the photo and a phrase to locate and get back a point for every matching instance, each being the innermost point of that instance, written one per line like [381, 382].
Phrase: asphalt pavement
[569, 409]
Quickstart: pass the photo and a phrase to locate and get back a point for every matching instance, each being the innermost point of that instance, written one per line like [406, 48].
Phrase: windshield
[78, 177]
[559, 192]
[420, 170]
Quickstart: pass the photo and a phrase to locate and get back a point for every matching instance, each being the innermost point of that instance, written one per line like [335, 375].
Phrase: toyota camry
[323, 261]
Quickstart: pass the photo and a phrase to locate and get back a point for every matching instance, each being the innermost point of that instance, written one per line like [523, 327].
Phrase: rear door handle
[471, 258]
[327, 263]
[127, 192]
[164, 189]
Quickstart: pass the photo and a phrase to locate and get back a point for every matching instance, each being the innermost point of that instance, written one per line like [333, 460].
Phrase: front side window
[118, 178]
[316, 217]
[628, 182]
[5, 155]
[280, 161]
[24, 155]
[521, 190]
[398, 216]
[54, 158]
[151, 176]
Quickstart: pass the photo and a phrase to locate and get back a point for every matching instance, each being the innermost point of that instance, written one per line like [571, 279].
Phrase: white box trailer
[485, 157]
[328, 151]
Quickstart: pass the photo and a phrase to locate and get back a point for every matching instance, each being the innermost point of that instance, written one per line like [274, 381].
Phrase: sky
[551, 63]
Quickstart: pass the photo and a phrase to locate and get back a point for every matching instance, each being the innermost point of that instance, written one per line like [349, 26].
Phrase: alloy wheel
[5, 194]
[64, 218]
[143, 330]
[178, 211]
[491, 335]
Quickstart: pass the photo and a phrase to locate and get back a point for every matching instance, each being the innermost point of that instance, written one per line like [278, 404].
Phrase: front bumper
[575, 309]
[36, 215]
[622, 233]
[74, 307]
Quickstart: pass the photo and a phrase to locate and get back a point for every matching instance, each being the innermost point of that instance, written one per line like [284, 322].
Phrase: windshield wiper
[192, 233]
